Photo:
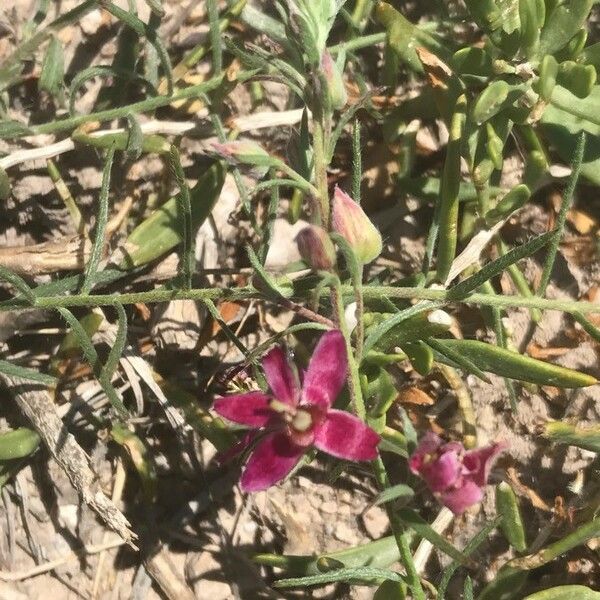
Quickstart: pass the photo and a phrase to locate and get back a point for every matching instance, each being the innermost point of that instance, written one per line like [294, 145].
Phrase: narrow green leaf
[264, 282]
[457, 359]
[579, 536]
[481, 536]
[24, 373]
[496, 267]
[392, 333]
[411, 519]
[185, 218]
[101, 221]
[131, 20]
[561, 432]
[92, 357]
[118, 346]
[507, 363]
[11, 129]
[391, 589]
[52, 71]
[401, 490]
[420, 356]
[449, 191]
[369, 575]
[468, 589]
[104, 71]
[18, 283]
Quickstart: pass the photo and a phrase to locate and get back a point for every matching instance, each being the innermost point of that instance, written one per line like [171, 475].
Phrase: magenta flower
[294, 418]
[454, 475]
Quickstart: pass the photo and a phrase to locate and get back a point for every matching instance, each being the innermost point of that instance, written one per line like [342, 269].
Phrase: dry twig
[34, 401]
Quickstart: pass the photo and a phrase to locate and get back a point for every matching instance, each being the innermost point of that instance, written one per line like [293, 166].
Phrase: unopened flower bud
[350, 221]
[335, 84]
[243, 152]
[316, 248]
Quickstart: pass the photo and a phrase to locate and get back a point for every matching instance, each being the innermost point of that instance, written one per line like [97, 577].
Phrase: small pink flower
[294, 418]
[455, 476]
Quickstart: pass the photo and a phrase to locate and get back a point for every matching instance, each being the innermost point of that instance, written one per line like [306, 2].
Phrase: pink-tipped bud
[243, 152]
[335, 83]
[316, 248]
[350, 221]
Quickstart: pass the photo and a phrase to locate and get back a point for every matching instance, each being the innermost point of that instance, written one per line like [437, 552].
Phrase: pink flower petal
[251, 409]
[428, 446]
[326, 371]
[280, 376]
[442, 473]
[478, 463]
[460, 498]
[273, 458]
[346, 436]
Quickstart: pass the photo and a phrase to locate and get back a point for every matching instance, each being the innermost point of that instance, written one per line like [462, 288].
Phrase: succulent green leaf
[578, 79]
[565, 592]
[511, 525]
[18, 443]
[472, 60]
[548, 73]
[562, 121]
[512, 201]
[160, 232]
[420, 356]
[562, 24]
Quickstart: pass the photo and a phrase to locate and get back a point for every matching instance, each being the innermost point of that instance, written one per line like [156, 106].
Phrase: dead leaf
[438, 71]
[414, 395]
[522, 490]
[583, 222]
[536, 351]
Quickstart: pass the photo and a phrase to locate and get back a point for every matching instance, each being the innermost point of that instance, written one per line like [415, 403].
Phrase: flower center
[301, 421]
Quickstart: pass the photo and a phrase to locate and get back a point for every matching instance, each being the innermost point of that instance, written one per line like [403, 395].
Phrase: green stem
[321, 216]
[353, 375]
[400, 534]
[147, 105]
[360, 312]
[302, 183]
[379, 292]
[363, 41]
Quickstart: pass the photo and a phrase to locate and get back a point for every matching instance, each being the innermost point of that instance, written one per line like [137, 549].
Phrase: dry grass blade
[35, 402]
[67, 254]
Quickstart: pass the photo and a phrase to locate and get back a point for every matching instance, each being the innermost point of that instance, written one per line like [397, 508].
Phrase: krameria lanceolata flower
[293, 417]
[455, 476]
[350, 221]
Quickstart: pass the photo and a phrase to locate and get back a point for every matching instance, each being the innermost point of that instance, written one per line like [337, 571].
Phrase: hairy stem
[400, 534]
[245, 293]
